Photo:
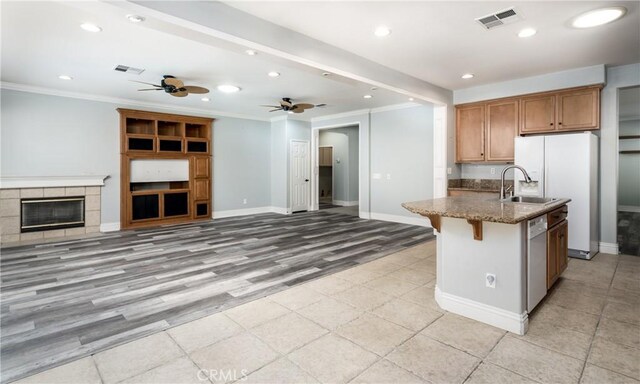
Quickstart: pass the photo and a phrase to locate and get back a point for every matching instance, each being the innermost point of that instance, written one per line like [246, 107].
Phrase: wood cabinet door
[537, 114]
[563, 247]
[553, 236]
[201, 189]
[201, 167]
[579, 109]
[328, 156]
[470, 133]
[502, 128]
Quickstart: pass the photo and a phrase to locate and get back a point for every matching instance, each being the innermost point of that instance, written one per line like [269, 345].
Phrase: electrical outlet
[493, 170]
[491, 280]
[388, 176]
[448, 171]
[244, 201]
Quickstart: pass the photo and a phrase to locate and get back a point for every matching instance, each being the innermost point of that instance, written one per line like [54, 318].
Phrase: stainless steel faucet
[503, 191]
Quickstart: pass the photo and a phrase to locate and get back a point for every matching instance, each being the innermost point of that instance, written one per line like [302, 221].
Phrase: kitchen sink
[529, 200]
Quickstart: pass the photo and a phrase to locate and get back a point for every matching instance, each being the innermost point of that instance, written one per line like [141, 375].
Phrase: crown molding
[340, 115]
[117, 100]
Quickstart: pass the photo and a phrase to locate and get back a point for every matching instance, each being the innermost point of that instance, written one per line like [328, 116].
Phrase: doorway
[629, 171]
[338, 170]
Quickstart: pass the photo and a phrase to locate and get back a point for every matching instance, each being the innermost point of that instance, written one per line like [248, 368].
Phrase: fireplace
[44, 214]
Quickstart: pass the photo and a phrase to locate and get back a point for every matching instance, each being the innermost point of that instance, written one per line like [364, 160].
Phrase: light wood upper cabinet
[502, 128]
[470, 133]
[537, 114]
[578, 110]
[325, 156]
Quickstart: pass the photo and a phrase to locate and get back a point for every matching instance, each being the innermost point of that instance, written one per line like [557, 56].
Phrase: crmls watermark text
[224, 375]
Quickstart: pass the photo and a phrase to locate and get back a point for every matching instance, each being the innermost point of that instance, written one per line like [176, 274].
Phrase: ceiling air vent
[130, 70]
[497, 19]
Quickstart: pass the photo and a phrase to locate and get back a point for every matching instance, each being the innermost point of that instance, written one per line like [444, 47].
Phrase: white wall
[44, 135]
[279, 165]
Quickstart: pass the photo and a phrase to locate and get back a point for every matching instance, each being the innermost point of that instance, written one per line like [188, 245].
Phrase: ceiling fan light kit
[173, 86]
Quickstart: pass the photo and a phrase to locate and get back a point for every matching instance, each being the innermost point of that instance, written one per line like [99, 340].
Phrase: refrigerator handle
[545, 187]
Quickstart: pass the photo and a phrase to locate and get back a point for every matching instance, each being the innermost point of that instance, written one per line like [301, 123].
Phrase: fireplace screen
[54, 213]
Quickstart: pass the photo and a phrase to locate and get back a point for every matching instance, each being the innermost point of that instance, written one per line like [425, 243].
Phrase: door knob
[306, 179]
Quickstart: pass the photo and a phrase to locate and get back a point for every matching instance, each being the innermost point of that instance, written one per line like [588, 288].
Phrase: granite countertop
[473, 189]
[481, 208]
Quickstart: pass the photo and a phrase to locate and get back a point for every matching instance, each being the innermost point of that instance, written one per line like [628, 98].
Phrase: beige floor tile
[409, 315]
[391, 285]
[281, 371]
[492, 374]
[615, 357]
[330, 313]
[362, 298]
[618, 332]
[416, 276]
[424, 296]
[622, 312]
[577, 286]
[382, 266]
[81, 371]
[234, 358]
[357, 275]
[623, 297]
[136, 357]
[577, 301]
[403, 258]
[423, 250]
[297, 297]
[385, 372]
[426, 265]
[288, 332]
[628, 281]
[374, 333]
[572, 343]
[606, 258]
[465, 334]
[256, 312]
[595, 375]
[180, 371]
[535, 362]
[202, 332]
[592, 273]
[332, 359]
[329, 285]
[566, 318]
[433, 361]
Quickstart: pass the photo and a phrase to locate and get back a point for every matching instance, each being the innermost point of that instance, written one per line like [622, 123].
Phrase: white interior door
[300, 167]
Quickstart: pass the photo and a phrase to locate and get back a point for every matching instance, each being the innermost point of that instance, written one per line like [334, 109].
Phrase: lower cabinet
[557, 251]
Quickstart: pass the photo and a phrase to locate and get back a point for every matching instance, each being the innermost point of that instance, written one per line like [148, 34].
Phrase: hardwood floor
[64, 300]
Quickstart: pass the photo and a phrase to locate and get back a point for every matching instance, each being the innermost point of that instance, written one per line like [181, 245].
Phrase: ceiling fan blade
[173, 81]
[179, 94]
[304, 106]
[151, 89]
[297, 110]
[195, 89]
[142, 82]
[277, 109]
[272, 106]
[285, 103]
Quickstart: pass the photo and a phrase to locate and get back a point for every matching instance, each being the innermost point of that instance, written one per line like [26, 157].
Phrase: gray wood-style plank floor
[68, 299]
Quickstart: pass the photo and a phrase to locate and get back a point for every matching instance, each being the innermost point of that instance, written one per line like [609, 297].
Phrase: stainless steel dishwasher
[536, 261]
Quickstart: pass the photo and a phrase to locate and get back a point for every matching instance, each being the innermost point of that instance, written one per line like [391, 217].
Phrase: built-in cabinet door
[579, 109]
[201, 166]
[553, 236]
[537, 114]
[470, 133]
[325, 156]
[201, 189]
[563, 246]
[502, 128]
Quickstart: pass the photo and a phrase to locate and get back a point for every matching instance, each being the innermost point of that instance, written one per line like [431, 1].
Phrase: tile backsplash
[484, 171]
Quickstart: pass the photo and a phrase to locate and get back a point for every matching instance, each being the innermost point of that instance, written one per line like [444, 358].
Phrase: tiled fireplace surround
[10, 212]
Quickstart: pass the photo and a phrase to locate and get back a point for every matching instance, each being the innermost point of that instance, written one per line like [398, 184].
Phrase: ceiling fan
[174, 87]
[287, 106]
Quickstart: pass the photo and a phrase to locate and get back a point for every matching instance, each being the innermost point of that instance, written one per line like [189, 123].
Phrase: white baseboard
[345, 203]
[109, 227]
[628, 208]
[509, 321]
[419, 221]
[248, 211]
[611, 248]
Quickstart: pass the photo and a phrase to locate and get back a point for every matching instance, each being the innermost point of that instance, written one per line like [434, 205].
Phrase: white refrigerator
[564, 166]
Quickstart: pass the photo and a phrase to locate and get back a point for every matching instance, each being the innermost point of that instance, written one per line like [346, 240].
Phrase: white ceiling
[432, 41]
[438, 41]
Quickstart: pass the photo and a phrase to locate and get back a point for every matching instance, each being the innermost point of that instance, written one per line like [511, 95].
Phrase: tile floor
[379, 323]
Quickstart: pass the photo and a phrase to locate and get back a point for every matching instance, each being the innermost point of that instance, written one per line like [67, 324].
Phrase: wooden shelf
[629, 137]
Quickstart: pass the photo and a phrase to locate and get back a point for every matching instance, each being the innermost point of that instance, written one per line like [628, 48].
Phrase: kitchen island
[482, 256]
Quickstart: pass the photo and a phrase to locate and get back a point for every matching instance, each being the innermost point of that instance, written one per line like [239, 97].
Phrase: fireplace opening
[51, 213]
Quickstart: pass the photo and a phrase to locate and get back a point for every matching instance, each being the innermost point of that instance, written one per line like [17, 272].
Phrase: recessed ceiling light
[251, 52]
[273, 74]
[135, 18]
[226, 88]
[467, 76]
[382, 31]
[598, 17]
[90, 27]
[65, 77]
[367, 96]
[205, 99]
[411, 99]
[527, 32]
